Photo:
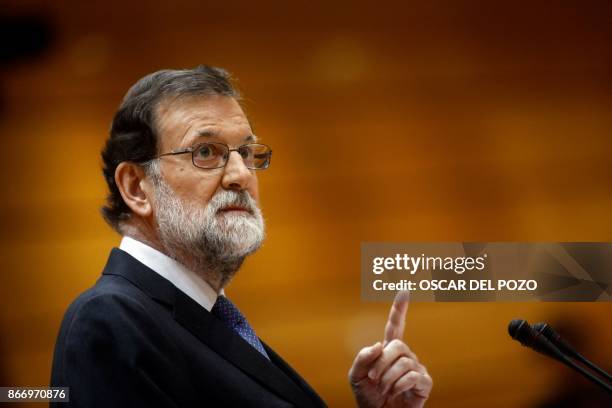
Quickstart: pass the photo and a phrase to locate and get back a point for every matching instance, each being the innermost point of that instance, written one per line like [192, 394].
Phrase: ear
[134, 188]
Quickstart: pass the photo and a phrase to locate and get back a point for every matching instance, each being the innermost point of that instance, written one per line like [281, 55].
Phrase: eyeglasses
[256, 156]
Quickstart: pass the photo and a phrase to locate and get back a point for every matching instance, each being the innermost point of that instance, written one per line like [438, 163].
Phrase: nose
[236, 175]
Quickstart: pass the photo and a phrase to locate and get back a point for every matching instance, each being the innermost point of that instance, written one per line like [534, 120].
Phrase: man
[157, 329]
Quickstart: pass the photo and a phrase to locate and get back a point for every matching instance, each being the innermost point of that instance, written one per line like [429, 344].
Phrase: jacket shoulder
[113, 349]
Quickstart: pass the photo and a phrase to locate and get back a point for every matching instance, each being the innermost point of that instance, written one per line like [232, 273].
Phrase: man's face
[191, 120]
[208, 215]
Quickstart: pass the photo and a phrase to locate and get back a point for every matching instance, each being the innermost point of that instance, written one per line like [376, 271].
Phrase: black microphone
[564, 346]
[521, 331]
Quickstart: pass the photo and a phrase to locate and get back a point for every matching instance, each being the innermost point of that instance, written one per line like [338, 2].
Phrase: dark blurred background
[416, 121]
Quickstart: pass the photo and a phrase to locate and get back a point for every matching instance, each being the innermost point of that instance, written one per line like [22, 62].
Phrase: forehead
[181, 121]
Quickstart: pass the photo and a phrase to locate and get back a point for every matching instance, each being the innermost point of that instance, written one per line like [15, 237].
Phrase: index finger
[397, 317]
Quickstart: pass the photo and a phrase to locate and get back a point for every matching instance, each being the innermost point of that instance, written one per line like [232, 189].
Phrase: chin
[243, 250]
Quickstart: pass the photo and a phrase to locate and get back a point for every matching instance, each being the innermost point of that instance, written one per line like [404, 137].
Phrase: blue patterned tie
[231, 316]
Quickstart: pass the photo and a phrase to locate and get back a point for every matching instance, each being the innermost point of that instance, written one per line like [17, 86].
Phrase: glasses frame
[194, 148]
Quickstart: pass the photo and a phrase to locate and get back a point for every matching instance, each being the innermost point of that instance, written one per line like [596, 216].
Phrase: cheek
[198, 187]
[253, 189]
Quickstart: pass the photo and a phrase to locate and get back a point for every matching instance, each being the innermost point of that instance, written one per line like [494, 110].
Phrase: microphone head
[555, 338]
[544, 329]
[521, 331]
[516, 329]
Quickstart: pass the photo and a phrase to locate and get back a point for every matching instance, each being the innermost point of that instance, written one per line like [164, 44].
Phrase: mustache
[229, 198]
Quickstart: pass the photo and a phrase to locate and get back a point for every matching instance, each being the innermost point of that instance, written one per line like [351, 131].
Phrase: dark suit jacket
[135, 340]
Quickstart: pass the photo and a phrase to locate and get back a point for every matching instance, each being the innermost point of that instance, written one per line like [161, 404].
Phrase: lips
[234, 208]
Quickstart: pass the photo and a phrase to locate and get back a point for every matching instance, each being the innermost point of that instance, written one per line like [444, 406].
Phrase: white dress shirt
[185, 280]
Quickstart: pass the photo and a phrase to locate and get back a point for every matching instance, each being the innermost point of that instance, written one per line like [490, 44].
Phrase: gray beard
[210, 243]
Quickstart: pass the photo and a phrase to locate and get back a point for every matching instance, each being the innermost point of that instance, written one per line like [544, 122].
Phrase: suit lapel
[211, 331]
[290, 372]
[233, 348]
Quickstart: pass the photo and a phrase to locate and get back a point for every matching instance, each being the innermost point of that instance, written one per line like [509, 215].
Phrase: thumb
[363, 362]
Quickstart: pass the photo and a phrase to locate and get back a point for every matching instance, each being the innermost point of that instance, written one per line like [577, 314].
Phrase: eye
[246, 151]
[204, 152]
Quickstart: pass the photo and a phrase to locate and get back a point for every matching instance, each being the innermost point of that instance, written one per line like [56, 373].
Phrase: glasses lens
[210, 155]
[255, 156]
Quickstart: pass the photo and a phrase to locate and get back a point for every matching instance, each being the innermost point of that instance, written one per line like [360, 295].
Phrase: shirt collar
[185, 280]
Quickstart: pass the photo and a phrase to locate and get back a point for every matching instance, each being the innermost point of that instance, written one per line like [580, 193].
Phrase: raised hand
[389, 374]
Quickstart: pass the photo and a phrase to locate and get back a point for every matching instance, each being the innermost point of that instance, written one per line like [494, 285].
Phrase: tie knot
[227, 312]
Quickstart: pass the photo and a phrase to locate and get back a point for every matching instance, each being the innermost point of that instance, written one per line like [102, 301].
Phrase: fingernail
[372, 374]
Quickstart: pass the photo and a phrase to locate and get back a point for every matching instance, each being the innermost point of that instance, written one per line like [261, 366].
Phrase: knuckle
[405, 362]
[399, 386]
[414, 375]
[428, 379]
[396, 344]
[410, 378]
[363, 353]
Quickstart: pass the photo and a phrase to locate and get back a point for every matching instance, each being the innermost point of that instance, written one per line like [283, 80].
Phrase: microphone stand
[521, 331]
[547, 331]
[587, 374]
[593, 367]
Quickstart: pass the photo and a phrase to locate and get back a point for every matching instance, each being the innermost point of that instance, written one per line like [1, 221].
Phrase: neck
[216, 272]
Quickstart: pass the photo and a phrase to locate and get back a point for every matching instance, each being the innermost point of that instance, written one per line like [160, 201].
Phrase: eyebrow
[207, 133]
[211, 133]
